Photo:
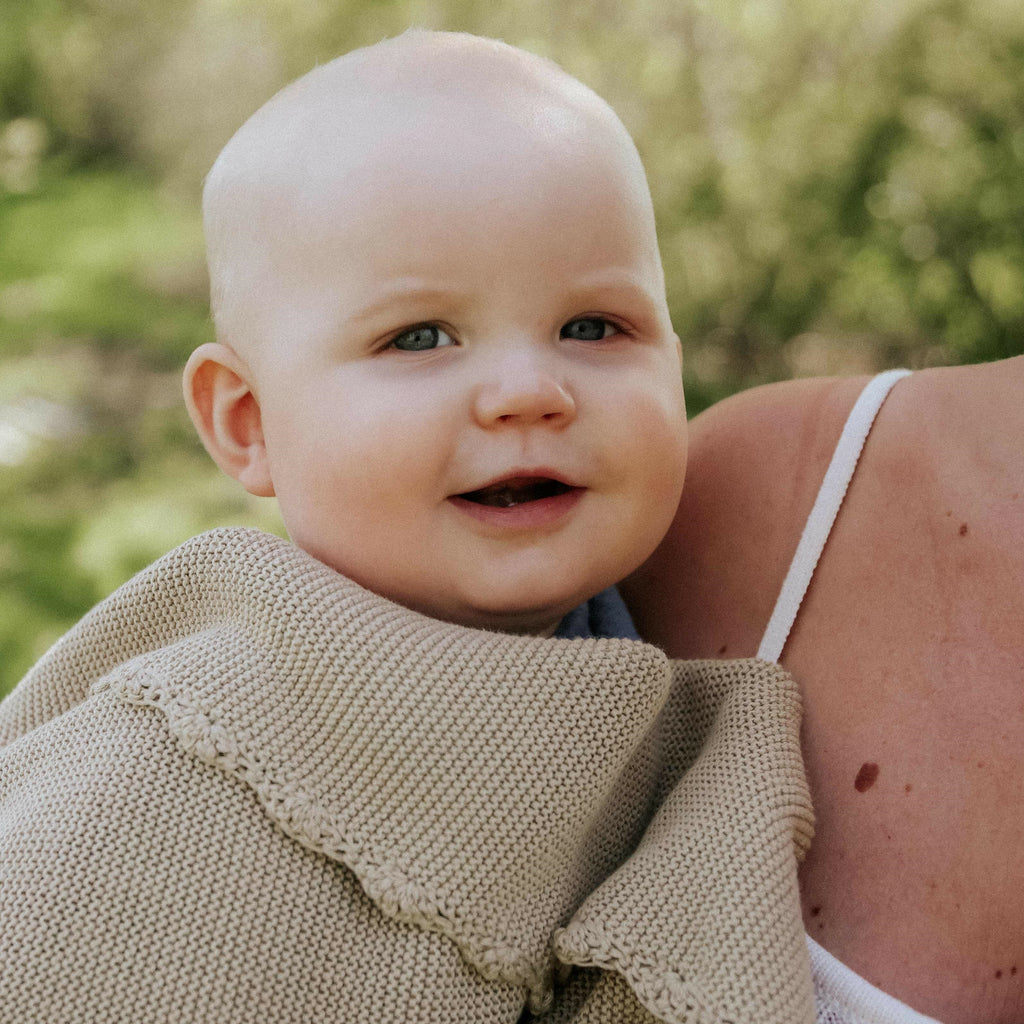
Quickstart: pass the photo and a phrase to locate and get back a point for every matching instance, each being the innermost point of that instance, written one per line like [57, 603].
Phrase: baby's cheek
[657, 424]
[659, 459]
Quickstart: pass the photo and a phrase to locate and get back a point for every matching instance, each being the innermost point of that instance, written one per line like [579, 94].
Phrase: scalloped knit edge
[301, 817]
[660, 990]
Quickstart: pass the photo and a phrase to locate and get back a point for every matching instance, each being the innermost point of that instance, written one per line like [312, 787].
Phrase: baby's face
[472, 398]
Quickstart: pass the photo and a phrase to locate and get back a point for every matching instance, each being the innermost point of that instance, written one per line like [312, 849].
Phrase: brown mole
[963, 530]
[866, 777]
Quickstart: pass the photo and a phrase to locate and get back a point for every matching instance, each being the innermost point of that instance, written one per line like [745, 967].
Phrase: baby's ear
[224, 408]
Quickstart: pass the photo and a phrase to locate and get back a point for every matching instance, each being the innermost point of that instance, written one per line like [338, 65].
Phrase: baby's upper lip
[522, 477]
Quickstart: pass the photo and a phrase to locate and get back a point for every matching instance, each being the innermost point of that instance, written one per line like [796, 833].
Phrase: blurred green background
[839, 188]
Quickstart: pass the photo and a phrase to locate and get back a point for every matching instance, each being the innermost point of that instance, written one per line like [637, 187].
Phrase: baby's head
[443, 341]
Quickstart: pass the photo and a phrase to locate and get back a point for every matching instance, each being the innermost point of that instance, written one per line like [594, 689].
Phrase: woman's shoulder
[771, 431]
[755, 464]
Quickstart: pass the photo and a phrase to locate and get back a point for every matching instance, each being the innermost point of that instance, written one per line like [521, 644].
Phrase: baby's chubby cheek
[661, 470]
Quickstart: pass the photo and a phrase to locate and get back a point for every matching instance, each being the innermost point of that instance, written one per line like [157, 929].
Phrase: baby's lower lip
[545, 511]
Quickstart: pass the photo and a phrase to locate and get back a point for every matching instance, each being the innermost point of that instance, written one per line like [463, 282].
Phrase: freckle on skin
[999, 974]
[866, 777]
[815, 911]
[722, 649]
[963, 530]
[907, 788]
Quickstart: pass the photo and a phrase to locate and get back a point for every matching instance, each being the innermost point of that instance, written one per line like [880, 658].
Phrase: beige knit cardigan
[245, 789]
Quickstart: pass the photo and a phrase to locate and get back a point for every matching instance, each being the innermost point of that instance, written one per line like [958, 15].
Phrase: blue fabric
[604, 615]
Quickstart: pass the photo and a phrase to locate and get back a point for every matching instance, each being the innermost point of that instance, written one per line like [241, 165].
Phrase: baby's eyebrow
[613, 286]
[623, 285]
[403, 290]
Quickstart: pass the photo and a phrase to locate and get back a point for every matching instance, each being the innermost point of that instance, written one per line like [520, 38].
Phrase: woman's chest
[916, 876]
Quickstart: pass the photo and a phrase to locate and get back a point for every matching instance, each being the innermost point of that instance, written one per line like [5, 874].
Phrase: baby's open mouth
[508, 493]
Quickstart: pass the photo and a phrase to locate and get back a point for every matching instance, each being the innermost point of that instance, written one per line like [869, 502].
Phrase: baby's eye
[420, 338]
[589, 328]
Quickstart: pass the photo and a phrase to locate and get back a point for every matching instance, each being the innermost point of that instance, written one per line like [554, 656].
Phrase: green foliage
[98, 254]
[838, 187]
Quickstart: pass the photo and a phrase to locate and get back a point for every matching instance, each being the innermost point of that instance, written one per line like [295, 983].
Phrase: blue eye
[421, 338]
[589, 328]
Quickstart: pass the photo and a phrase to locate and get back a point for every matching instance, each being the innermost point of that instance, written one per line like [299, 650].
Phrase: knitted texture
[244, 788]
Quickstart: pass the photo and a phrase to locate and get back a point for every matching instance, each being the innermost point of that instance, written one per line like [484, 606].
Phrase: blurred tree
[838, 186]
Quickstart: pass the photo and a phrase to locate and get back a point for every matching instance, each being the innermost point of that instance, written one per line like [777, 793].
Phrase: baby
[285, 782]
[443, 337]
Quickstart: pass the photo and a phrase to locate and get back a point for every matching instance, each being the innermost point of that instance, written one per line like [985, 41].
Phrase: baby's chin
[531, 606]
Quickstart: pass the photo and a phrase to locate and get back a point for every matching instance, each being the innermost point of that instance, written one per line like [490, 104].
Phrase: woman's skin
[909, 649]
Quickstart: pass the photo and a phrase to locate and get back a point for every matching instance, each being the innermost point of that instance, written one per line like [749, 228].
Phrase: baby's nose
[523, 390]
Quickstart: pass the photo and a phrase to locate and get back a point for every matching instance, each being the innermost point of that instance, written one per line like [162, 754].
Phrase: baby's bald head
[385, 125]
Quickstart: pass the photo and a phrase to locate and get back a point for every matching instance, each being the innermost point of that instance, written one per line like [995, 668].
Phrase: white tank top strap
[823, 514]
